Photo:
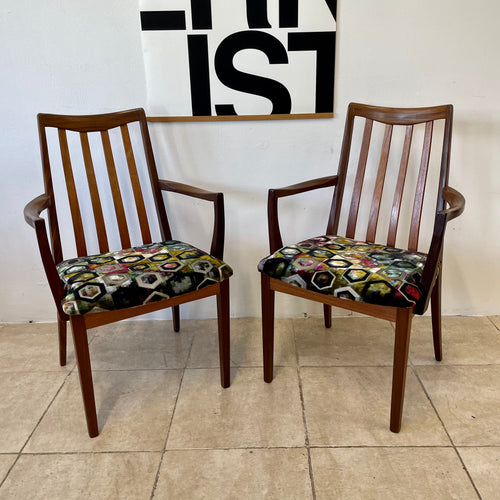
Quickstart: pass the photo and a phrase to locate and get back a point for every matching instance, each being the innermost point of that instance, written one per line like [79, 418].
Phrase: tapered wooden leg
[85, 372]
[327, 314]
[61, 330]
[401, 345]
[267, 297]
[176, 318]
[224, 334]
[436, 319]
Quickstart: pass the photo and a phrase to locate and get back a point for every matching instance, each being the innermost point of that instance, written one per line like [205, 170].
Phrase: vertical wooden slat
[358, 183]
[379, 185]
[420, 191]
[398, 194]
[136, 187]
[121, 218]
[81, 247]
[94, 194]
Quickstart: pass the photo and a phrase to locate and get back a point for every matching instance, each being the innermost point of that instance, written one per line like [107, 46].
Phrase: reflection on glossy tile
[467, 399]
[246, 344]
[24, 397]
[248, 413]
[466, 340]
[142, 345]
[32, 347]
[389, 473]
[134, 409]
[350, 341]
[93, 476]
[483, 465]
[351, 407]
[230, 474]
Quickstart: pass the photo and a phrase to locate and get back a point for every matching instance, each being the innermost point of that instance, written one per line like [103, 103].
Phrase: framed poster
[239, 59]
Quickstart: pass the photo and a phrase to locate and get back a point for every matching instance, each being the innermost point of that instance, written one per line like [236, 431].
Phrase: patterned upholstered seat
[349, 269]
[135, 276]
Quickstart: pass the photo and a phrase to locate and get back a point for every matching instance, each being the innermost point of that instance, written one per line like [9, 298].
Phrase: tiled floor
[320, 430]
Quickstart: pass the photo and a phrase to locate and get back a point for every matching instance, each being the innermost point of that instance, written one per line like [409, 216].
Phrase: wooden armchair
[118, 271]
[390, 279]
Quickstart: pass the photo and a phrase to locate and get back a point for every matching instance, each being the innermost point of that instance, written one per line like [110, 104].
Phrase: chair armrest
[32, 212]
[456, 203]
[34, 208]
[217, 198]
[275, 239]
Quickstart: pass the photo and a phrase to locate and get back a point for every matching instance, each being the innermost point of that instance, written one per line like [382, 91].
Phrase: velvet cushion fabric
[349, 269]
[138, 275]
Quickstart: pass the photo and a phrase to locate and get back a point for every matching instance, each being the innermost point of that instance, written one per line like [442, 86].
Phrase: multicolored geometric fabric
[139, 275]
[349, 269]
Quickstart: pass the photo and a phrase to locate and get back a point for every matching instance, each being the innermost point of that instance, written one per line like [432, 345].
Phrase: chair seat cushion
[350, 269]
[139, 275]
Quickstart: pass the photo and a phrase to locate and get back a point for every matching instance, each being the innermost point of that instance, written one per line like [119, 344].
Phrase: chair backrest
[108, 193]
[391, 176]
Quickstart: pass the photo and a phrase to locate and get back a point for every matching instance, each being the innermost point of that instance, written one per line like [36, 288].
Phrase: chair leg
[436, 319]
[327, 314]
[61, 330]
[267, 297]
[401, 345]
[224, 334]
[85, 372]
[176, 318]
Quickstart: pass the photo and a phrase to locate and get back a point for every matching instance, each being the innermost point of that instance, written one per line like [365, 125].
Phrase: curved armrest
[275, 240]
[32, 212]
[34, 208]
[217, 247]
[456, 203]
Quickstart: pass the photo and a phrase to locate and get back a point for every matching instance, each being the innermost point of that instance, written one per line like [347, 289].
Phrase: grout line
[157, 477]
[304, 420]
[446, 431]
[492, 322]
[20, 452]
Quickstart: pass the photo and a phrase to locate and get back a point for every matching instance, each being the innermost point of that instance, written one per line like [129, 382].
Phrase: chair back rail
[103, 162]
[389, 120]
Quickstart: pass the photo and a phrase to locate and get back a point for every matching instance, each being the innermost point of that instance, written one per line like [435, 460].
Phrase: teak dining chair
[112, 191]
[362, 269]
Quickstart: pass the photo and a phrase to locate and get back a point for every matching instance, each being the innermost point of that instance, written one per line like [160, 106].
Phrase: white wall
[82, 57]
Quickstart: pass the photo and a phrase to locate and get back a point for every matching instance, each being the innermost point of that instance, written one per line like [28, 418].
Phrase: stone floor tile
[495, 320]
[33, 347]
[249, 413]
[350, 406]
[389, 474]
[466, 340]
[6, 462]
[246, 344]
[142, 345]
[467, 399]
[230, 474]
[24, 397]
[134, 410]
[350, 341]
[76, 476]
[483, 465]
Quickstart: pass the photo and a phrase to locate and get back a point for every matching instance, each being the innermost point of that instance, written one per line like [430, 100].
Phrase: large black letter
[289, 13]
[245, 82]
[201, 14]
[323, 42]
[199, 75]
[257, 14]
[332, 5]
